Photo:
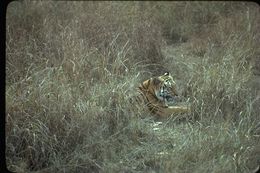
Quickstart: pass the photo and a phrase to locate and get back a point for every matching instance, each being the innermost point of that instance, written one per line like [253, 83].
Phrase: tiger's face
[166, 89]
[163, 88]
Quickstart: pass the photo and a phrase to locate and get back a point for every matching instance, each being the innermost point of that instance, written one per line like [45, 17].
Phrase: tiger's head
[164, 88]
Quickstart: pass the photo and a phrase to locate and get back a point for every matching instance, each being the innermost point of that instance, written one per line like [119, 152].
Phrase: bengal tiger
[160, 95]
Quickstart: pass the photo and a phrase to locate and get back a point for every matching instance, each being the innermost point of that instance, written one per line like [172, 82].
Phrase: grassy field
[71, 68]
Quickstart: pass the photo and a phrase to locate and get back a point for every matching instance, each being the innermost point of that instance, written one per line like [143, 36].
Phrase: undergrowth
[72, 67]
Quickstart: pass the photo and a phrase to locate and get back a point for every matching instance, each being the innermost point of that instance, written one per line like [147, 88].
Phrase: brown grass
[71, 68]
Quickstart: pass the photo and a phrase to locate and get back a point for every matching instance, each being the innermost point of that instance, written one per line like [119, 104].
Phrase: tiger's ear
[167, 73]
[156, 81]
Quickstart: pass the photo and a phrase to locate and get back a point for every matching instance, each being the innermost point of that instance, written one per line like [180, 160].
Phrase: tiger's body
[160, 95]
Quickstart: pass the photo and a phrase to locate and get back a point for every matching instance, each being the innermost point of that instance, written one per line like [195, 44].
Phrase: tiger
[160, 95]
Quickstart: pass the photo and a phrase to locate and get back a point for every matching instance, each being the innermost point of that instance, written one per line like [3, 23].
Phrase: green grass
[72, 67]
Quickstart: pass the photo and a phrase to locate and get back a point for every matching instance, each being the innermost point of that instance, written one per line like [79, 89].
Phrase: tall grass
[71, 68]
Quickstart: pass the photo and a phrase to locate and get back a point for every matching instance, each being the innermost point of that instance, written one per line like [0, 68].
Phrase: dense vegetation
[71, 68]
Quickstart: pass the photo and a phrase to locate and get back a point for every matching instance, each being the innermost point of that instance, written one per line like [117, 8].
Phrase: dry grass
[71, 68]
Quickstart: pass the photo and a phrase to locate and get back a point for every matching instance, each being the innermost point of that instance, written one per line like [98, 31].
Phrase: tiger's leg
[173, 110]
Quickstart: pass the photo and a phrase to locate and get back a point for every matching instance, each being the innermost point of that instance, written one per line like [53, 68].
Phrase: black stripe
[143, 86]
